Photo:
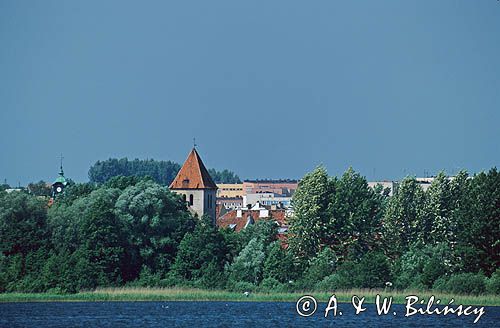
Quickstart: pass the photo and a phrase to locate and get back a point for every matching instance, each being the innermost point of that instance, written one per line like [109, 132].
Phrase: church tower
[196, 186]
[60, 183]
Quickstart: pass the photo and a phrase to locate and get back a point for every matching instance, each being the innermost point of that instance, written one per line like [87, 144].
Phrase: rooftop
[193, 174]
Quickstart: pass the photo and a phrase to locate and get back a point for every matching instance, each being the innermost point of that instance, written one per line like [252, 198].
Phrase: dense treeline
[162, 172]
[133, 231]
[446, 238]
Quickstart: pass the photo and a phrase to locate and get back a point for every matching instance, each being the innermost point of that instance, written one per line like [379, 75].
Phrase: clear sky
[270, 89]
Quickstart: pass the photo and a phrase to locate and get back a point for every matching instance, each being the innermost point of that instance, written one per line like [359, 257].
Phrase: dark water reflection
[216, 314]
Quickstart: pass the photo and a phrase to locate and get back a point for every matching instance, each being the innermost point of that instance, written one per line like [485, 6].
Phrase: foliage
[201, 252]
[224, 176]
[248, 265]
[264, 230]
[131, 231]
[404, 217]
[478, 223]
[322, 266]
[39, 188]
[355, 212]
[280, 265]
[156, 220]
[493, 283]
[23, 223]
[462, 283]
[309, 225]
[422, 264]
[371, 271]
[162, 172]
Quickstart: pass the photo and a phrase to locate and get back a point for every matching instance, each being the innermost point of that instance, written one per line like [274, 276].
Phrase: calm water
[216, 314]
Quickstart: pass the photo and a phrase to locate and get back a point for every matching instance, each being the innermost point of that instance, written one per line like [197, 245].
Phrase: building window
[191, 199]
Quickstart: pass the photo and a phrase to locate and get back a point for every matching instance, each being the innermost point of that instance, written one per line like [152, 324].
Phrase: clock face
[58, 189]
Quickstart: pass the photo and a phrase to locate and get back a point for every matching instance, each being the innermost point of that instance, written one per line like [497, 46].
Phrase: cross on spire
[194, 143]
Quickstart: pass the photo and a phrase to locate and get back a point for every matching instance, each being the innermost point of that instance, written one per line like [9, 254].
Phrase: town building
[267, 198]
[230, 202]
[392, 186]
[239, 219]
[229, 190]
[196, 186]
[283, 187]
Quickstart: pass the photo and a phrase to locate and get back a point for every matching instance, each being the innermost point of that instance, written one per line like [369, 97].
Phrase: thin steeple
[61, 171]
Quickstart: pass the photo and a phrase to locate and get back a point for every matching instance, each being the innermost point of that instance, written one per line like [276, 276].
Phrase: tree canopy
[162, 172]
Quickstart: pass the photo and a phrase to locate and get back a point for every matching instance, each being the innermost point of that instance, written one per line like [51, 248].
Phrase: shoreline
[185, 294]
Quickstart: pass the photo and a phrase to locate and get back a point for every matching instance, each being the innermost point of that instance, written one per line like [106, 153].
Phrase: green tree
[163, 172]
[321, 266]
[248, 265]
[156, 220]
[280, 264]
[224, 176]
[479, 224]
[265, 230]
[309, 226]
[438, 225]
[39, 188]
[355, 219]
[103, 237]
[23, 223]
[201, 253]
[403, 218]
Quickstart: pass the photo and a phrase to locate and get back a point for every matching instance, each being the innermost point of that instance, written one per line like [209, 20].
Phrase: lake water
[217, 314]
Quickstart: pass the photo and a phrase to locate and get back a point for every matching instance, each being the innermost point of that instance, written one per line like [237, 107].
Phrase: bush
[493, 283]
[463, 283]
[248, 265]
[242, 286]
[408, 281]
[211, 278]
[422, 265]
[322, 266]
[334, 282]
[147, 278]
[273, 285]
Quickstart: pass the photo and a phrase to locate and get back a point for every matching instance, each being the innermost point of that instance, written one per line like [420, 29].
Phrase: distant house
[239, 219]
[230, 202]
[392, 186]
[229, 190]
[267, 198]
[285, 187]
[9, 190]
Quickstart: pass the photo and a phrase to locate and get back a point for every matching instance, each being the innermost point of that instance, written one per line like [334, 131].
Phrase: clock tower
[60, 183]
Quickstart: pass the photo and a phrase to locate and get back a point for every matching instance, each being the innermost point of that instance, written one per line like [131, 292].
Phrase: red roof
[193, 174]
[231, 218]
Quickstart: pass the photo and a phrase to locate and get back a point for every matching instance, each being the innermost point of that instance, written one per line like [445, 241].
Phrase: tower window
[191, 199]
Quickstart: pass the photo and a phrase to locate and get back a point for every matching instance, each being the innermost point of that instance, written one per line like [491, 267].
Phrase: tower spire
[61, 172]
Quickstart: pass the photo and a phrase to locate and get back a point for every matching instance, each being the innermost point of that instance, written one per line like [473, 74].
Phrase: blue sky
[270, 89]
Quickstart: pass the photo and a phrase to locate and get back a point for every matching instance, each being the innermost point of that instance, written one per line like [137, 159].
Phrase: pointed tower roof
[193, 174]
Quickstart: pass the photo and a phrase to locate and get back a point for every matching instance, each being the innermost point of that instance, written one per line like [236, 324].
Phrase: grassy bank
[184, 294]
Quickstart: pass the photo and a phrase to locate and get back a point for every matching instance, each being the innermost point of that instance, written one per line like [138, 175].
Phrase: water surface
[216, 314]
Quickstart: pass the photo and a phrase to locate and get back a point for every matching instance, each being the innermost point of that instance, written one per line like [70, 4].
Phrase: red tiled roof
[230, 218]
[193, 174]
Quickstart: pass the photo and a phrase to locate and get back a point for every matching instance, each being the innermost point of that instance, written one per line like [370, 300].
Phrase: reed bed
[192, 294]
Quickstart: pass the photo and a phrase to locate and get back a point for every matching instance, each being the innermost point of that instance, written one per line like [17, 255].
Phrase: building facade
[283, 187]
[229, 190]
